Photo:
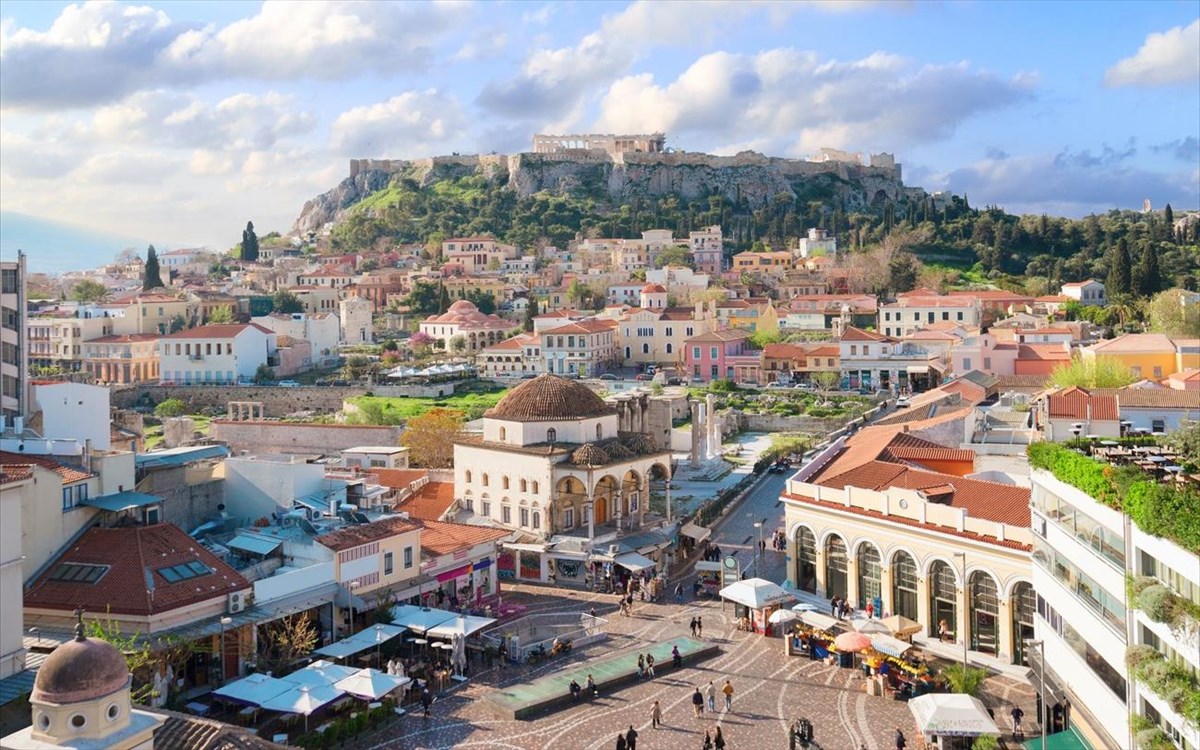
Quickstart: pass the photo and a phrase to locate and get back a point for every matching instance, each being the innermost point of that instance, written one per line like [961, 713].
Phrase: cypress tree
[1120, 270]
[249, 242]
[1148, 277]
[530, 312]
[150, 276]
[443, 299]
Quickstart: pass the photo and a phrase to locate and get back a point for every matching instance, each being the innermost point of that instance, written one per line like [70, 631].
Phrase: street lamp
[1041, 644]
[757, 550]
[224, 622]
[378, 640]
[966, 611]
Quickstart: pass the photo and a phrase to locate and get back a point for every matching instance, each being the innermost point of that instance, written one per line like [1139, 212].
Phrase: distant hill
[55, 247]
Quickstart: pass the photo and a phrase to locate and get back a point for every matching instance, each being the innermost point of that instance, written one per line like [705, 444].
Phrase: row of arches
[505, 482]
[937, 583]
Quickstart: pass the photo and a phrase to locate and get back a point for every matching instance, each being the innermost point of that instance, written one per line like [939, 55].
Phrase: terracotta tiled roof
[1077, 403]
[971, 392]
[583, 326]
[220, 331]
[857, 334]
[784, 351]
[353, 536]
[398, 479]
[549, 398]
[839, 507]
[430, 502]
[1045, 352]
[443, 538]
[912, 448]
[1162, 398]
[653, 289]
[14, 473]
[133, 553]
[69, 474]
[721, 337]
[1136, 342]
[124, 338]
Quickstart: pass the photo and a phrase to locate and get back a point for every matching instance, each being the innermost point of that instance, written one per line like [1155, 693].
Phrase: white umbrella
[370, 684]
[871, 626]
[461, 625]
[952, 714]
[755, 593]
[303, 699]
[783, 615]
[805, 607]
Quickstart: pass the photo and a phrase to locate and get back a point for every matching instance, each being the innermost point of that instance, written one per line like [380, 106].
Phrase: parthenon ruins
[613, 144]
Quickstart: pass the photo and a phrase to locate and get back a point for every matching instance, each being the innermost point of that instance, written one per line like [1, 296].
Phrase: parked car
[777, 385]
[288, 384]
[609, 376]
[674, 381]
[902, 402]
[644, 376]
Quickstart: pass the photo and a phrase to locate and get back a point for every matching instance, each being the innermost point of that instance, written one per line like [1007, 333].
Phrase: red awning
[452, 574]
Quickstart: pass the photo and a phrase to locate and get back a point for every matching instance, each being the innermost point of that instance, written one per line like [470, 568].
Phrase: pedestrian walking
[870, 610]
[727, 689]
[697, 703]
[650, 665]
[426, 700]
[833, 606]
[655, 715]
[621, 742]
[710, 693]
[692, 625]
[707, 741]
[901, 743]
[699, 627]
[641, 666]
[590, 687]
[679, 593]
[719, 740]
[676, 657]
[1017, 715]
[631, 738]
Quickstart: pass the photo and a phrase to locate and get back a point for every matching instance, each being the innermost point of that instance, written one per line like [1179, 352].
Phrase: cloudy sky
[179, 121]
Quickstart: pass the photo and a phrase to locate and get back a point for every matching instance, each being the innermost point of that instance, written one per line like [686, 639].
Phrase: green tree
[424, 299]
[676, 255]
[430, 437]
[443, 298]
[150, 275]
[249, 243]
[221, 315]
[964, 679]
[1095, 372]
[902, 272]
[1169, 312]
[1147, 278]
[177, 324]
[826, 380]
[577, 292]
[1120, 270]
[1185, 439]
[530, 313]
[458, 343]
[286, 303]
[357, 366]
[171, 407]
[482, 300]
[88, 291]
[263, 374]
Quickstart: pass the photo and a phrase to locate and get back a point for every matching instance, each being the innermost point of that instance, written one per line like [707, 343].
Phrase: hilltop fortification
[617, 168]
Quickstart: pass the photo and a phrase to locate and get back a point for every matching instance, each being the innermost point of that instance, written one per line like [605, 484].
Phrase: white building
[550, 464]
[515, 357]
[463, 318]
[14, 365]
[75, 411]
[707, 249]
[216, 353]
[1086, 292]
[13, 483]
[912, 312]
[322, 330]
[818, 242]
[355, 317]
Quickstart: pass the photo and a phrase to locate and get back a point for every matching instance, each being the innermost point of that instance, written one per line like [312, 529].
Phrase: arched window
[806, 560]
[984, 612]
[943, 599]
[551, 435]
[503, 434]
[537, 520]
[524, 485]
[670, 348]
[904, 585]
[835, 567]
[869, 578]
[599, 431]
[645, 348]
[504, 482]
[535, 488]
[485, 480]
[1024, 604]
[468, 476]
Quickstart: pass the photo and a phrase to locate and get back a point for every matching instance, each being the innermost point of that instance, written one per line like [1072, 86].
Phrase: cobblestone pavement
[771, 689]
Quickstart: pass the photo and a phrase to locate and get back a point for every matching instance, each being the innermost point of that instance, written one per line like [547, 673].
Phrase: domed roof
[463, 306]
[549, 398]
[81, 670]
[590, 454]
[653, 289]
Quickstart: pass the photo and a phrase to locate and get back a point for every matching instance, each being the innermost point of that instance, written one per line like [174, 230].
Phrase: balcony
[195, 357]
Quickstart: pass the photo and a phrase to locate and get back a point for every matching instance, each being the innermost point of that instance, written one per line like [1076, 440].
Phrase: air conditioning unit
[613, 549]
[237, 602]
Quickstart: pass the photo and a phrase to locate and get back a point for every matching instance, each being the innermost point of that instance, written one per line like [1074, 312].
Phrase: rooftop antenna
[79, 624]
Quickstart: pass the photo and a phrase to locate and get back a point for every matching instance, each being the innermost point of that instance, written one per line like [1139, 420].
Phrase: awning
[258, 545]
[450, 575]
[523, 547]
[480, 565]
[885, 644]
[707, 566]
[119, 501]
[952, 714]
[254, 689]
[819, 621]
[419, 618]
[634, 561]
[695, 531]
[917, 369]
[756, 593]
[463, 625]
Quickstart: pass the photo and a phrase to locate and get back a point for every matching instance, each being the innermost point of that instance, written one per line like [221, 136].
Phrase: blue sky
[182, 120]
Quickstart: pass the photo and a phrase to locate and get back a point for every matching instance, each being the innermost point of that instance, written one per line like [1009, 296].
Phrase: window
[551, 436]
[946, 315]
[669, 348]
[569, 518]
[966, 364]
[408, 557]
[987, 363]
[74, 495]
[1158, 425]
[78, 573]
[184, 571]
[387, 563]
[645, 348]
[1135, 371]
[505, 514]
[504, 482]
[695, 352]
[1158, 371]
[503, 435]
[712, 352]
[485, 508]
[525, 516]
[484, 481]
[468, 476]
[688, 331]
[669, 331]
[854, 349]
[524, 485]
[537, 520]
[535, 488]
[866, 350]
[960, 316]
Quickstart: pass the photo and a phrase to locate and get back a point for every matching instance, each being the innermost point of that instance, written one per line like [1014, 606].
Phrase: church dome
[653, 289]
[463, 306]
[79, 671]
[549, 398]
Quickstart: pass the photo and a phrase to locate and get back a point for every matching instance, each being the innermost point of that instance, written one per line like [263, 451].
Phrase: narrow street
[737, 535]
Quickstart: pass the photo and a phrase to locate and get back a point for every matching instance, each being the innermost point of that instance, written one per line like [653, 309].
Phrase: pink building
[715, 354]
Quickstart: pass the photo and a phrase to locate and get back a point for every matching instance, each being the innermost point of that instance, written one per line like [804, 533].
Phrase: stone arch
[524, 485]
[504, 482]
[631, 490]
[606, 499]
[1022, 607]
[837, 563]
[870, 574]
[569, 494]
[983, 609]
[806, 558]
[906, 577]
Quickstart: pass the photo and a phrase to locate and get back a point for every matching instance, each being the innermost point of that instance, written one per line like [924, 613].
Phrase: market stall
[954, 719]
[708, 574]
[812, 635]
[754, 600]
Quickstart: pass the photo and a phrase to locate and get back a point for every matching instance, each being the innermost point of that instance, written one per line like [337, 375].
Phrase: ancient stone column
[714, 434]
[694, 457]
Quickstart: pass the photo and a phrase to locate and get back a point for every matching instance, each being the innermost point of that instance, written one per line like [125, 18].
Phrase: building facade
[585, 348]
[229, 353]
[122, 359]
[14, 347]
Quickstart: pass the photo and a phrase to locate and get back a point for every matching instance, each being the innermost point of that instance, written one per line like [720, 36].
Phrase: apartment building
[585, 348]
[150, 313]
[515, 357]
[874, 362]
[654, 333]
[708, 248]
[14, 351]
[322, 330]
[912, 312]
[476, 254]
[121, 359]
[716, 354]
[775, 264]
[1087, 293]
[216, 354]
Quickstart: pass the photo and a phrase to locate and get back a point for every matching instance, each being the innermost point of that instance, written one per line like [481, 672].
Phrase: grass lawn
[390, 410]
[154, 433]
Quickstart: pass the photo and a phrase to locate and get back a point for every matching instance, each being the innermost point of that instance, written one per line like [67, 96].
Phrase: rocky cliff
[747, 176]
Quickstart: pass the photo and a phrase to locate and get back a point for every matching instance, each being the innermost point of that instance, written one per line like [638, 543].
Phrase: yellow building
[1147, 355]
[753, 314]
[152, 313]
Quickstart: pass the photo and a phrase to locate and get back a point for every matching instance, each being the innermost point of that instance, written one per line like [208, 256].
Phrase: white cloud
[99, 52]
[790, 101]
[1167, 58]
[484, 45]
[415, 123]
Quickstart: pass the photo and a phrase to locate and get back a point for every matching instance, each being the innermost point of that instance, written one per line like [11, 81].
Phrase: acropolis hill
[619, 167]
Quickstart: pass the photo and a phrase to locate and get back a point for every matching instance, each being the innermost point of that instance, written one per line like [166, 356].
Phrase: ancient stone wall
[298, 437]
[277, 402]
